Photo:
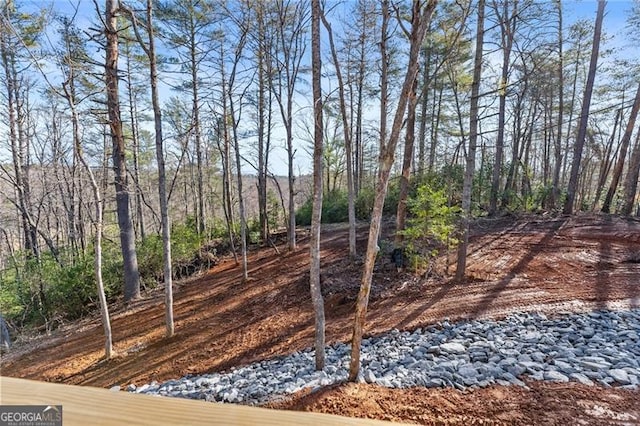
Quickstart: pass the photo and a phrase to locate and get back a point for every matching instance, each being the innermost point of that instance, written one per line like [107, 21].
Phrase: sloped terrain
[550, 265]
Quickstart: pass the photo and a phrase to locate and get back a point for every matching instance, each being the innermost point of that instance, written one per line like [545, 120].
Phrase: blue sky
[615, 26]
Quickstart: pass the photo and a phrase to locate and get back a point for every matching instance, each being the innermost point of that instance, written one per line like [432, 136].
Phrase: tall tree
[127, 233]
[187, 24]
[263, 63]
[149, 47]
[631, 180]
[407, 159]
[291, 27]
[348, 147]
[316, 215]
[384, 71]
[557, 143]
[473, 138]
[624, 147]
[584, 115]
[507, 13]
[358, 52]
[235, 117]
[421, 12]
[75, 56]
[133, 90]
[18, 30]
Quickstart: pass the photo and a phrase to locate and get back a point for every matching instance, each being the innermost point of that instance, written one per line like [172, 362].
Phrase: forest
[142, 140]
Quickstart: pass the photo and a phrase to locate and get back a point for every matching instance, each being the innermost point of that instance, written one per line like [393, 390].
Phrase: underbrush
[335, 206]
[49, 292]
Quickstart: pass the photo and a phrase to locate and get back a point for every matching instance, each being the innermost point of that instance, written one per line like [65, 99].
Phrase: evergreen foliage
[430, 227]
[48, 293]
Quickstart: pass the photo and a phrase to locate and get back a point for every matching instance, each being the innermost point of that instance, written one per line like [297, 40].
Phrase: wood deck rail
[83, 405]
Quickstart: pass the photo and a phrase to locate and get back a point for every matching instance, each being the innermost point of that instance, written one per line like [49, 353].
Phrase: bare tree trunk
[584, 115]
[291, 44]
[69, 94]
[262, 86]
[421, 15]
[424, 108]
[507, 32]
[435, 126]
[135, 138]
[384, 77]
[243, 219]
[225, 159]
[235, 120]
[624, 147]
[471, 154]
[200, 215]
[574, 89]
[401, 214]
[127, 234]
[316, 215]
[631, 180]
[150, 51]
[225, 154]
[348, 148]
[557, 147]
[18, 154]
[606, 161]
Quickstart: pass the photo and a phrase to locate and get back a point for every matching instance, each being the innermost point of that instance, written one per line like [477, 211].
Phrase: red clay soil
[551, 265]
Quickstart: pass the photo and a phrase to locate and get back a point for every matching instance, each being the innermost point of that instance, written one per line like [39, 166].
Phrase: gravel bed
[597, 348]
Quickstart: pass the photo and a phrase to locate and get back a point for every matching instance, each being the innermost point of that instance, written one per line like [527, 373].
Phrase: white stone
[453, 347]
[369, 377]
[555, 376]
[581, 378]
[620, 376]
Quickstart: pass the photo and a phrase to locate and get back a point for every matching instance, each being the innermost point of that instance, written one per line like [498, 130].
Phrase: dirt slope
[552, 265]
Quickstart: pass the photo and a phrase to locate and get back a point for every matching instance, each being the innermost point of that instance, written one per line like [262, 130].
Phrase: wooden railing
[83, 405]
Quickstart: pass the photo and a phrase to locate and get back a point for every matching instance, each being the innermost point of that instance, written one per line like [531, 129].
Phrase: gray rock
[589, 349]
[517, 370]
[435, 383]
[453, 348]
[508, 361]
[115, 388]
[531, 336]
[593, 366]
[588, 332]
[510, 378]
[231, 396]
[369, 377]
[555, 376]
[594, 375]
[564, 367]
[531, 366]
[620, 376]
[468, 371]
[581, 378]
[538, 357]
[433, 350]
[143, 388]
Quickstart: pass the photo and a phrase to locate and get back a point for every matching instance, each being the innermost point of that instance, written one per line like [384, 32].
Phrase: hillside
[549, 266]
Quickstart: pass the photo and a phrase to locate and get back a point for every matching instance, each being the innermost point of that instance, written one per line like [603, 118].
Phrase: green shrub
[366, 197]
[39, 292]
[34, 293]
[185, 244]
[150, 264]
[334, 209]
[430, 226]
